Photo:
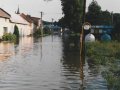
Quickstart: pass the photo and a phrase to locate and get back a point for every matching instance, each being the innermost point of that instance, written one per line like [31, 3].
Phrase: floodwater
[46, 64]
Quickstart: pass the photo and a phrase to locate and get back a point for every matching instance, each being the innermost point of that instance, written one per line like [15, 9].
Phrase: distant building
[34, 22]
[25, 23]
[98, 30]
[22, 24]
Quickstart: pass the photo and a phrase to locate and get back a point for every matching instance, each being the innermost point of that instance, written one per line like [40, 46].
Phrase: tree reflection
[71, 52]
[72, 60]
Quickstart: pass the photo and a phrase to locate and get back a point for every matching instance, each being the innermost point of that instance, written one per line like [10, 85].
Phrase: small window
[5, 30]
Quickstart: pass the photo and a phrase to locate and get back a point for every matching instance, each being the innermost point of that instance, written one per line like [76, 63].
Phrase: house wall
[23, 29]
[4, 23]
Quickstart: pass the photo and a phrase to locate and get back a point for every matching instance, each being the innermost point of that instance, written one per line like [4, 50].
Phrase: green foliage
[102, 51]
[98, 17]
[16, 31]
[107, 55]
[112, 80]
[106, 18]
[73, 10]
[116, 23]
[37, 33]
[46, 30]
[9, 37]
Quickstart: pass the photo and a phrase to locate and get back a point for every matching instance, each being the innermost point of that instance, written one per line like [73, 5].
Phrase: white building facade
[26, 25]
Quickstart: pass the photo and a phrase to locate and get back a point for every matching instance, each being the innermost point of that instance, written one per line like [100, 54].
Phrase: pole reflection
[82, 61]
[81, 72]
[41, 48]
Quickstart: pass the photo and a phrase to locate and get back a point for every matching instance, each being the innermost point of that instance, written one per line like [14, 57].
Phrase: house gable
[4, 14]
[26, 17]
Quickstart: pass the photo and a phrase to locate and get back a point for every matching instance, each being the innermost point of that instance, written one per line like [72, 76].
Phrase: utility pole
[84, 11]
[41, 13]
[52, 21]
[112, 18]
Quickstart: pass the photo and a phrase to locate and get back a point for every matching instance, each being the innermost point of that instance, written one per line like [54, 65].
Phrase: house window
[5, 30]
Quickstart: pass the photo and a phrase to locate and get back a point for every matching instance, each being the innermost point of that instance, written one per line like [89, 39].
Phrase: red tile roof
[30, 19]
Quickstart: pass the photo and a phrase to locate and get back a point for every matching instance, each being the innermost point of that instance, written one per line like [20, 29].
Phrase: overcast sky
[51, 9]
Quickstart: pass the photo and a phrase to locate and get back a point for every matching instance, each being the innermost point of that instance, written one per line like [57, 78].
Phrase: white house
[34, 22]
[4, 22]
[25, 23]
[22, 24]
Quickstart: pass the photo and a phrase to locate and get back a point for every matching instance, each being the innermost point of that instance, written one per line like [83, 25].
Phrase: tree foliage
[72, 10]
[94, 13]
[96, 16]
[16, 31]
[106, 18]
[116, 22]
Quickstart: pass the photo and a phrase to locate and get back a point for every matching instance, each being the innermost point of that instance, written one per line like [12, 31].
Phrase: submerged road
[45, 64]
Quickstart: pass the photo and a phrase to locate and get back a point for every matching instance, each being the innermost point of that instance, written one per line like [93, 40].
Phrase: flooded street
[46, 64]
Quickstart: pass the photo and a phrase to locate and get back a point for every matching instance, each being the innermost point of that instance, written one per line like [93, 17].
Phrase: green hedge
[9, 37]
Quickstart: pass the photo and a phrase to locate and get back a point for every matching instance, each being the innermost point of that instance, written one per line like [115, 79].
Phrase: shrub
[37, 33]
[9, 37]
[46, 30]
[16, 31]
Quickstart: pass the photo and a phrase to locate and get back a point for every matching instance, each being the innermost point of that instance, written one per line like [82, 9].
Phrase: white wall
[24, 30]
[4, 23]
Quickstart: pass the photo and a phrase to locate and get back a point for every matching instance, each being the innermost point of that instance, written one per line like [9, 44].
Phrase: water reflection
[48, 63]
[6, 50]
[87, 74]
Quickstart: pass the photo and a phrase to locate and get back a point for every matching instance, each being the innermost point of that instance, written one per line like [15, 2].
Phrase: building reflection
[6, 50]
[25, 45]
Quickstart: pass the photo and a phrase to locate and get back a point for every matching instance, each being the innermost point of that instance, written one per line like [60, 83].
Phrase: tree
[72, 10]
[116, 23]
[96, 16]
[94, 13]
[16, 31]
[106, 18]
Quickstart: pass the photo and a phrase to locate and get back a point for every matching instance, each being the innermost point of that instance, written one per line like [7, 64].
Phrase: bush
[16, 31]
[37, 33]
[9, 37]
[46, 30]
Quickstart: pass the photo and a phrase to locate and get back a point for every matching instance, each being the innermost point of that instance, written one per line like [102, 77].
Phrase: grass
[107, 55]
